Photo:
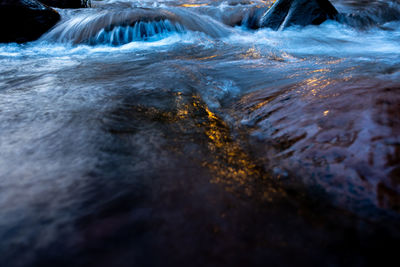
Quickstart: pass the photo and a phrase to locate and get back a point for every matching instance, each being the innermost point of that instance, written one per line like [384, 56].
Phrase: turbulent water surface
[158, 133]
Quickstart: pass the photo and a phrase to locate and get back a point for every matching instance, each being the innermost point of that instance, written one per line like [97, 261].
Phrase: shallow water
[187, 140]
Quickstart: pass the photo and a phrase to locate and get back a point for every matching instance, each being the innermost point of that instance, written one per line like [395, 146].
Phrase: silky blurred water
[141, 133]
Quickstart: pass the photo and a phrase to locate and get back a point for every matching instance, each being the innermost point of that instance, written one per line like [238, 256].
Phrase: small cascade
[121, 26]
[140, 31]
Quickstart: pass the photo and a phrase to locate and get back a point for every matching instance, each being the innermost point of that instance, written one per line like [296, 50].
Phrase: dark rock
[368, 13]
[253, 18]
[67, 3]
[25, 20]
[285, 13]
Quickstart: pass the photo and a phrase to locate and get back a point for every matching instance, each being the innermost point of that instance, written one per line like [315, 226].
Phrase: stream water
[167, 133]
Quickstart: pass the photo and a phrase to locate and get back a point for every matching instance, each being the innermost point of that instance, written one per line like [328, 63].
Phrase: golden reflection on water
[193, 5]
[191, 121]
[268, 3]
[251, 53]
[205, 58]
[321, 70]
[230, 165]
[182, 108]
[260, 105]
[335, 61]
[314, 85]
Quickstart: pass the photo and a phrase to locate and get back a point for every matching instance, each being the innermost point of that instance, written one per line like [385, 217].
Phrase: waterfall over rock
[139, 31]
[122, 26]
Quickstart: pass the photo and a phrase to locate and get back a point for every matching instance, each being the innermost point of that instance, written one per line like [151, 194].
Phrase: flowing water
[170, 133]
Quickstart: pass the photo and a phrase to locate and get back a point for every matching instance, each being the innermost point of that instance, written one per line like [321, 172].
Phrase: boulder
[285, 13]
[67, 3]
[25, 20]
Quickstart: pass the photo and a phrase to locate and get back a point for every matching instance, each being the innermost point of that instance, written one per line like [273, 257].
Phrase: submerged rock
[67, 3]
[285, 13]
[369, 14]
[25, 20]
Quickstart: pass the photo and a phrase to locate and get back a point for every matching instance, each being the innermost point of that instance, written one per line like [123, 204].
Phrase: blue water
[166, 135]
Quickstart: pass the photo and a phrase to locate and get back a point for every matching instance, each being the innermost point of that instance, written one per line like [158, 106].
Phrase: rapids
[171, 133]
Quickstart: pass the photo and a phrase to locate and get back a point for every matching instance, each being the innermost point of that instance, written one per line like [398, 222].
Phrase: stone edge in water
[25, 20]
[285, 13]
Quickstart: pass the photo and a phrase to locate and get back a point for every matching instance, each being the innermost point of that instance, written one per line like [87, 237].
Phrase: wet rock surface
[285, 13]
[213, 146]
[348, 148]
[25, 20]
[367, 14]
[67, 3]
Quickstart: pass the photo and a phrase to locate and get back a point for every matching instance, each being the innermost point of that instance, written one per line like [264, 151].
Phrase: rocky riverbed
[180, 133]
